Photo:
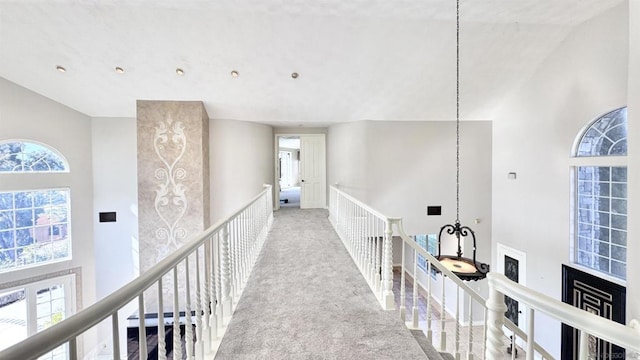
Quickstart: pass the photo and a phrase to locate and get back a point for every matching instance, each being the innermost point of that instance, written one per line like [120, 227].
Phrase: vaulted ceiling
[356, 59]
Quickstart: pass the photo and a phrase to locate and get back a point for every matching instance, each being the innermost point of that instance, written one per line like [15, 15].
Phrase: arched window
[34, 224]
[600, 217]
[21, 156]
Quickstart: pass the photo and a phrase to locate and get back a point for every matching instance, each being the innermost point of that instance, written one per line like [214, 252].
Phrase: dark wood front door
[597, 296]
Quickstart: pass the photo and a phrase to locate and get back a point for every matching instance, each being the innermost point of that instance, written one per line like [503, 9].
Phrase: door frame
[276, 150]
[504, 250]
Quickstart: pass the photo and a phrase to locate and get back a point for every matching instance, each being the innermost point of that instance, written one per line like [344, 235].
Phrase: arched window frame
[34, 232]
[54, 152]
[594, 161]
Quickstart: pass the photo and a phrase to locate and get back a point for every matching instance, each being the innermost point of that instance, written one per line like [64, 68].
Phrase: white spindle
[514, 351]
[457, 323]
[367, 236]
[177, 344]
[116, 335]
[240, 238]
[218, 286]
[443, 316]
[494, 343]
[233, 252]
[162, 345]
[142, 329]
[73, 349]
[206, 306]
[429, 310]
[378, 279]
[213, 299]
[226, 271]
[188, 327]
[199, 343]
[358, 237]
[470, 333]
[485, 330]
[583, 352]
[403, 294]
[415, 313]
[530, 333]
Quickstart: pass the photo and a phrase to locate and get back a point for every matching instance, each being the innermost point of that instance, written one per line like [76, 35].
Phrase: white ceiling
[357, 59]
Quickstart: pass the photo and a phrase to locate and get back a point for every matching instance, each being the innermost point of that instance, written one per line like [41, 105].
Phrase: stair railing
[590, 326]
[219, 262]
[475, 301]
[367, 234]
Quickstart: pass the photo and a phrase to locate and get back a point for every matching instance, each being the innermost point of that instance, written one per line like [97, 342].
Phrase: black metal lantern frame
[457, 263]
[465, 268]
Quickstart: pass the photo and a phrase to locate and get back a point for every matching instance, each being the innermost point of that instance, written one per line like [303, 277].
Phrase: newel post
[495, 319]
[387, 268]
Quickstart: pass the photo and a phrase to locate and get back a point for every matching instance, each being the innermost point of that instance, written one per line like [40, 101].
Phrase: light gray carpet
[307, 300]
[292, 195]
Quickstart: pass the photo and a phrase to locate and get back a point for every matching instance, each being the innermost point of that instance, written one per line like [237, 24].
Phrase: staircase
[368, 235]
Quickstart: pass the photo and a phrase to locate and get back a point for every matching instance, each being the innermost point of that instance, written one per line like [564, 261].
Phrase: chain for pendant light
[457, 111]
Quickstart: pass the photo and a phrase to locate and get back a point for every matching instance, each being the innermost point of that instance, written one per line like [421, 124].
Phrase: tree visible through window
[34, 224]
[601, 197]
[34, 227]
[20, 156]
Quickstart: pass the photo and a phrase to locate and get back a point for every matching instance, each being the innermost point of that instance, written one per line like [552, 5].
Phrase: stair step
[427, 348]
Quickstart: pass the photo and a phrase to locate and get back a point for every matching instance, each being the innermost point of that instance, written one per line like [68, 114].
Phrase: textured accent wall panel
[173, 178]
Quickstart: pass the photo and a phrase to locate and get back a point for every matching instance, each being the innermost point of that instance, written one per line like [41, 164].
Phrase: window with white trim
[600, 207]
[429, 243]
[34, 224]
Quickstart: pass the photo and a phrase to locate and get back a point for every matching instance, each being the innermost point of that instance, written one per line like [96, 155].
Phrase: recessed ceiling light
[119, 70]
[61, 69]
[235, 73]
[294, 75]
[179, 71]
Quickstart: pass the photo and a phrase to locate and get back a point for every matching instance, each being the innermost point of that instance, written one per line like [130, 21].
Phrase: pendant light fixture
[464, 268]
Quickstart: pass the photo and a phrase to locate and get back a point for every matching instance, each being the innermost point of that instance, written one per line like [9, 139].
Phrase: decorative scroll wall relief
[173, 182]
[171, 203]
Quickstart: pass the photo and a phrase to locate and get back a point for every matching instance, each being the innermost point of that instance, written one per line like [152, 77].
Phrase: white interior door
[313, 186]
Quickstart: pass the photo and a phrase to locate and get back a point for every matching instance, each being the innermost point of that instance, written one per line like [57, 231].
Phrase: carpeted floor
[292, 195]
[307, 300]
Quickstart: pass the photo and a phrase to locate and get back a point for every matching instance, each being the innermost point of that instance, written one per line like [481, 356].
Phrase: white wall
[29, 116]
[115, 189]
[241, 160]
[633, 116]
[347, 158]
[532, 136]
[399, 168]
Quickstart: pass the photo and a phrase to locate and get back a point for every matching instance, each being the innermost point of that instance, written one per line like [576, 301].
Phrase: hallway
[306, 299]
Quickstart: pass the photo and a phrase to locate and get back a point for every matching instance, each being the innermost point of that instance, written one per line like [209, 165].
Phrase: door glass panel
[13, 317]
[50, 311]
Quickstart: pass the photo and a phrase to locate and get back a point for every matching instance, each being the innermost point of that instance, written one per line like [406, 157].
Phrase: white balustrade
[372, 248]
[224, 256]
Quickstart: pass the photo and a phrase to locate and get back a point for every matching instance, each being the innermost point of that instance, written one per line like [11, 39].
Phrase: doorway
[300, 170]
[288, 171]
[30, 308]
